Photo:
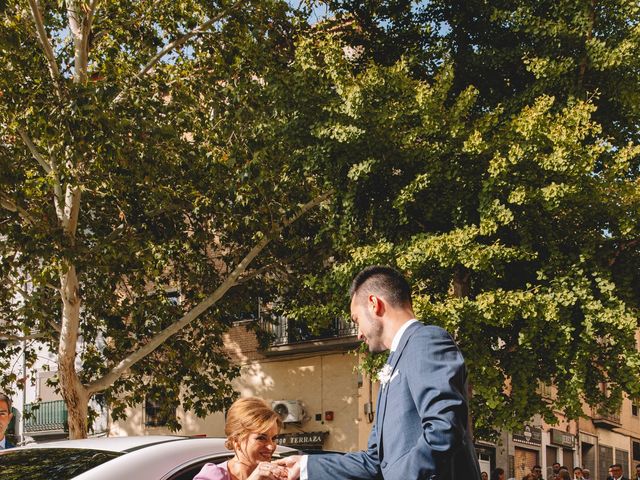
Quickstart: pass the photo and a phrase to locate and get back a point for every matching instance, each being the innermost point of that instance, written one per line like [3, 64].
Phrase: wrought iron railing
[286, 331]
[46, 417]
[600, 416]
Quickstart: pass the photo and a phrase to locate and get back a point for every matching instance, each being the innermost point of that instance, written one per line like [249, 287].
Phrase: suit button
[383, 464]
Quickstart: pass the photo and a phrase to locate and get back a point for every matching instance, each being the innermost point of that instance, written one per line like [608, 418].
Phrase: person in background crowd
[577, 474]
[251, 429]
[484, 476]
[586, 474]
[5, 420]
[497, 474]
[537, 472]
[564, 475]
[616, 472]
[555, 468]
[638, 472]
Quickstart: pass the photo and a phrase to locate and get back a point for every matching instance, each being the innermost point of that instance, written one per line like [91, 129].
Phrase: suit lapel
[384, 391]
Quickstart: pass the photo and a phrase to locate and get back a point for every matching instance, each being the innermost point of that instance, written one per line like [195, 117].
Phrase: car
[154, 457]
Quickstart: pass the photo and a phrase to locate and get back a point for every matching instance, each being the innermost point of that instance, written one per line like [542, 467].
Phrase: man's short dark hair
[575, 469]
[384, 281]
[616, 465]
[7, 400]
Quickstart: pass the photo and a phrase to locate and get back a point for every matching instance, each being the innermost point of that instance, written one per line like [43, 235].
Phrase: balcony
[47, 419]
[546, 391]
[605, 419]
[290, 335]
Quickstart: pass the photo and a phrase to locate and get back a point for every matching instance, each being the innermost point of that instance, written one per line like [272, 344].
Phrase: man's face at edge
[5, 418]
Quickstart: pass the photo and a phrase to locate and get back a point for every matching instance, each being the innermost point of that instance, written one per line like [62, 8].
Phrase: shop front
[526, 454]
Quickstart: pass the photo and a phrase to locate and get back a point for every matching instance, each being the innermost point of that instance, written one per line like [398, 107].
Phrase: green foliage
[181, 170]
[504, 183]
[487, 149]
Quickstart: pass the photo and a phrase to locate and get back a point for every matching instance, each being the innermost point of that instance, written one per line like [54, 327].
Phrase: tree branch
[623, 246]
[254, 274]
[155, 342]
[71, 211]
[179, 42]
[54, 71]
[79, 25]
[9, 204]
[49, 168]
[186, 37]
[34, 151]
[55, 326]
[91, 12]
[17, 338]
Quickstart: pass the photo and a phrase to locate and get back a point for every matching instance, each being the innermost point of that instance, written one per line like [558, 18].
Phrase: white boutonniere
[384, 375]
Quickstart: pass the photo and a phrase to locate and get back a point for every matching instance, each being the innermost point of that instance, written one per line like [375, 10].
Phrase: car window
[189, 471]
[50, 463]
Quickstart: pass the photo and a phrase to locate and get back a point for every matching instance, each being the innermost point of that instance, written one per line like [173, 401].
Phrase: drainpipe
[578, 446]
[24, 389]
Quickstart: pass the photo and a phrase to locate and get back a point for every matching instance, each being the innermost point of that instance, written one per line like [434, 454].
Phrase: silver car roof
[153, 457]
[116, 444]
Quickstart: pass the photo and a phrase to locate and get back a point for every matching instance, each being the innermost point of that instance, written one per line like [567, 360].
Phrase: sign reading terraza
[302, 439]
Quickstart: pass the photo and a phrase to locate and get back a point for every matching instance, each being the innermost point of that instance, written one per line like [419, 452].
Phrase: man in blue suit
[5, 420]
[421, 429]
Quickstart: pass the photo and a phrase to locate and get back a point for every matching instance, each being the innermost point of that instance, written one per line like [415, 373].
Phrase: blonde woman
[251, 430]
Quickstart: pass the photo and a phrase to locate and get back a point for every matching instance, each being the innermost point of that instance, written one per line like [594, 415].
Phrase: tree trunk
[589, 35]
[462, 289]
[74, 393]
[77, 405]
[79, 24]
[461, 282]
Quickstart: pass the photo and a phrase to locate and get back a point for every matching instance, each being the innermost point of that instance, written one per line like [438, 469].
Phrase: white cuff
[304, 474]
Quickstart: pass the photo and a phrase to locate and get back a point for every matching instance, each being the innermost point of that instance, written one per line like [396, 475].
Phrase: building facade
[312, 378]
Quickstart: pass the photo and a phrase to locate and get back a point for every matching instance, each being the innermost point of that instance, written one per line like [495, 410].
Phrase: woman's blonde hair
[246, 416]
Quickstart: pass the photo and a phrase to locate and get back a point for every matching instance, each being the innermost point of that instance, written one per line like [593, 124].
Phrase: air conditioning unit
[290, 411]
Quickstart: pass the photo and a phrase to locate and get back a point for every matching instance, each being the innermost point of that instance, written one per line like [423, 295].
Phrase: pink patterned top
[211, 471]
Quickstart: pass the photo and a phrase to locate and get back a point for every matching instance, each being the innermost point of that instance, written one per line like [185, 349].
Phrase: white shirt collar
[398, 335]
[3, 443]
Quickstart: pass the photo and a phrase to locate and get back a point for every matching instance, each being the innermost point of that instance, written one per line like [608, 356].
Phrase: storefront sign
[530, 436]
[563, 439]
[302, 439]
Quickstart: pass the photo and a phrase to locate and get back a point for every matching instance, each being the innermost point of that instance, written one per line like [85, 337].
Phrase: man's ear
[376, 304]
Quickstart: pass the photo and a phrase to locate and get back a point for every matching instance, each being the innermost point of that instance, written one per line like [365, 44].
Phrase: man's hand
[293, 464]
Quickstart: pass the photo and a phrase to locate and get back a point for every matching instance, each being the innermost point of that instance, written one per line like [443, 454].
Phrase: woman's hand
[268, 471]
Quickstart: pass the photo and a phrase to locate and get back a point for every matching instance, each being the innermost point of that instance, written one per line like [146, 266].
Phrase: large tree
[506, 185]
[148, 148]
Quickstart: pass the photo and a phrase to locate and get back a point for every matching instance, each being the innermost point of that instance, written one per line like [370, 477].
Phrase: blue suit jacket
[421, 428]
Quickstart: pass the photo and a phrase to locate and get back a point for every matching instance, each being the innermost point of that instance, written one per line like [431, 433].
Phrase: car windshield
[50, 463]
